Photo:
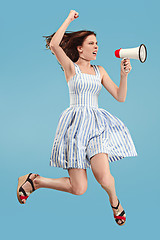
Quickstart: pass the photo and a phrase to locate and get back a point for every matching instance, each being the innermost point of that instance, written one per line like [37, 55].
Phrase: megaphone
[139, 53]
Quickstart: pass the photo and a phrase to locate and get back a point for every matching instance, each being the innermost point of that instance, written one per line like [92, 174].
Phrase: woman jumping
[87, 136]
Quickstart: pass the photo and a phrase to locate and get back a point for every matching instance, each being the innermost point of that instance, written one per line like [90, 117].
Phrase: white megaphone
[139, 53]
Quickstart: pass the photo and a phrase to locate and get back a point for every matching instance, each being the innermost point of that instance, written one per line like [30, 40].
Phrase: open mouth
[95, 53]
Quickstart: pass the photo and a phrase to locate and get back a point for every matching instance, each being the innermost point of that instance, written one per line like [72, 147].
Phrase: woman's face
[88, 47]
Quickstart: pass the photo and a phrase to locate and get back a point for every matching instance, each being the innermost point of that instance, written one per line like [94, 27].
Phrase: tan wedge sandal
[21, 194]
[119, 216]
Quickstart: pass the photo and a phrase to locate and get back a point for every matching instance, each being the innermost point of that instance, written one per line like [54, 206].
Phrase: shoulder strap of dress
[77, 69]
[97, 70]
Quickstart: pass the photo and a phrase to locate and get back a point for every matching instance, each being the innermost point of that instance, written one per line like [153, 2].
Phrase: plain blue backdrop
[33, 94]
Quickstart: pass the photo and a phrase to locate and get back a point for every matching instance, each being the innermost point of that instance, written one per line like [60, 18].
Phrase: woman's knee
[78, 180]
[100, 168]
[79, 189]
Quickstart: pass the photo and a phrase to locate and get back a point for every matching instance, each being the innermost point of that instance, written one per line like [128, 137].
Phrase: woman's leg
[75, 184]
[101, 171]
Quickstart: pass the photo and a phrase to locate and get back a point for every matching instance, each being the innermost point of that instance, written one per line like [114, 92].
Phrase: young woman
[87, 136]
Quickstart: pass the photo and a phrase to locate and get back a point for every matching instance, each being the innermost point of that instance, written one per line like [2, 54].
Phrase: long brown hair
[69, 43]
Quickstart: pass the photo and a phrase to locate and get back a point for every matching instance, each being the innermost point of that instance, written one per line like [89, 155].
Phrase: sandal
[121, 216]
[21, 194]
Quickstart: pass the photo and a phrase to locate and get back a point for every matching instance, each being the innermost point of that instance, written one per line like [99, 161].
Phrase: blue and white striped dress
[84, 129]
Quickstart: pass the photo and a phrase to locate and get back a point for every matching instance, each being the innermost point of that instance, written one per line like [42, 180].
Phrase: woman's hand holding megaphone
[125, 66]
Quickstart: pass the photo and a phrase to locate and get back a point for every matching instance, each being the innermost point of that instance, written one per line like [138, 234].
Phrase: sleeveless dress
[84, 129]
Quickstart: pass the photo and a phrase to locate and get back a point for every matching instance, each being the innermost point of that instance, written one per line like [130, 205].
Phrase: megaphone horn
[139, 53]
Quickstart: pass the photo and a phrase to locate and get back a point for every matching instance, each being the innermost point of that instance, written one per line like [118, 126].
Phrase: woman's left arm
[119, 93]
[122, 90]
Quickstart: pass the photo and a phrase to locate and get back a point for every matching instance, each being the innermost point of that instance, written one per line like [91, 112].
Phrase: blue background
[33, 94]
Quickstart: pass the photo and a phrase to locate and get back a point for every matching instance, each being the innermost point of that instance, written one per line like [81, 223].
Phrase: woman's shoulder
[101, 69]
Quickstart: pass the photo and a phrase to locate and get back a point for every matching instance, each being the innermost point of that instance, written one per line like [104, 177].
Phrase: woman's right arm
[61, 56]
[56, 39]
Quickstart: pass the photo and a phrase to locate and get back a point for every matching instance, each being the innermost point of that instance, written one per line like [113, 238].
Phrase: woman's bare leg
[75, 184]
[101, 171]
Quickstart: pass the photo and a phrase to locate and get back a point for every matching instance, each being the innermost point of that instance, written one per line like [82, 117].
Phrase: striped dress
[84, 129]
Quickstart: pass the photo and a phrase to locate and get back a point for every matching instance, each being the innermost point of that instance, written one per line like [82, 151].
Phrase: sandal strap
[122, 222]
[23, 191]
[30, 181]
[23, 197]
[117, 204]
[27, 180]
[119, 217]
